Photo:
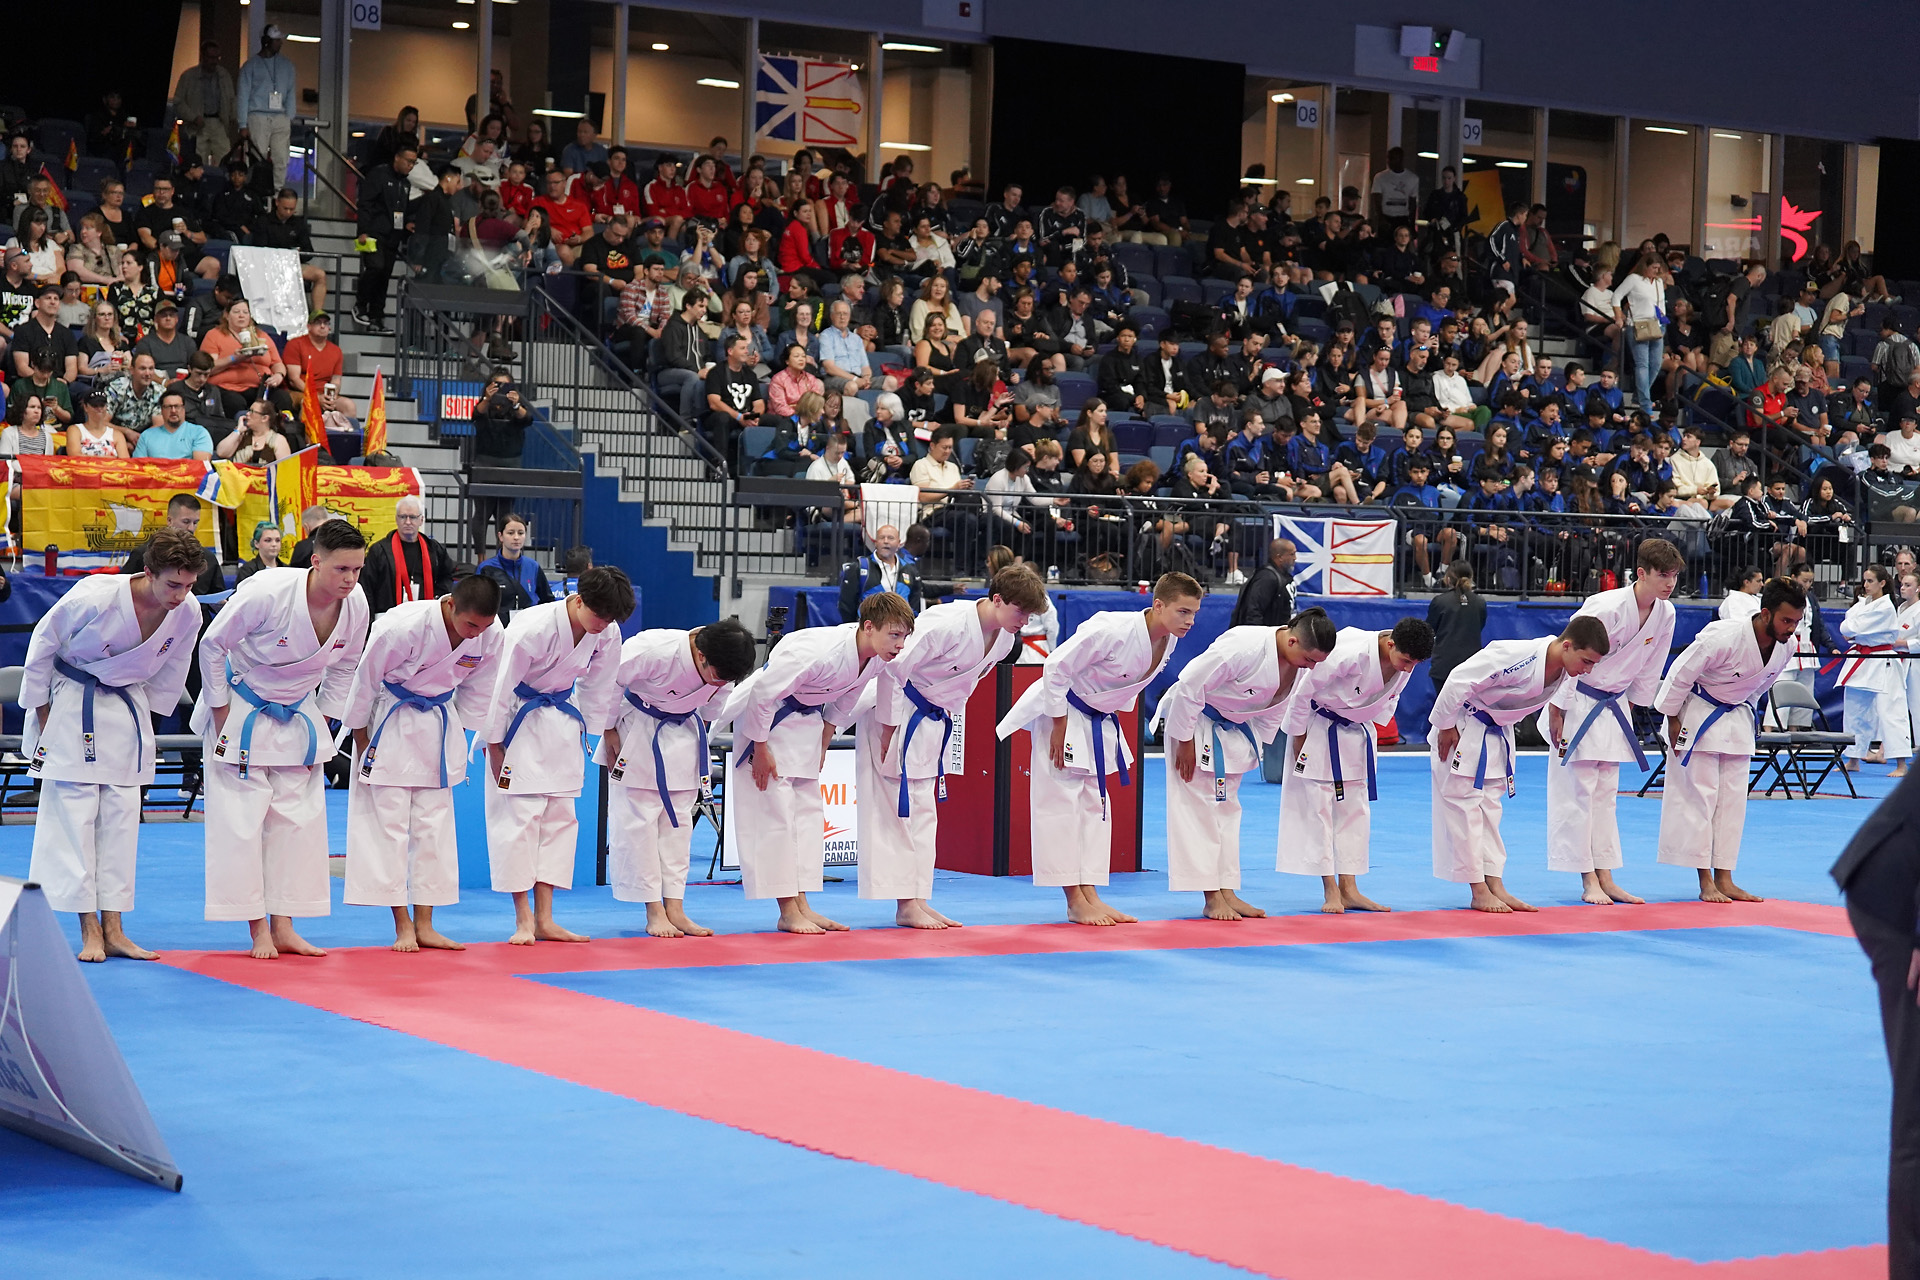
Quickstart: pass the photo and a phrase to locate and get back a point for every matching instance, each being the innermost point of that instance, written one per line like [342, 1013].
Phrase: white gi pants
[1583, 830]
[266, 841]
[1071, 837]
[1466, 825]
[896, 853]
[84, 841]
[1321, 836]
[1203, 834]
[647, 856]
[401, 847]
[530, 840]
[783, 849]
[1878, 717]
[1703, 811]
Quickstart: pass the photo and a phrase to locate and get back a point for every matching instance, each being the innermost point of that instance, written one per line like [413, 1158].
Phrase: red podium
[985, 823]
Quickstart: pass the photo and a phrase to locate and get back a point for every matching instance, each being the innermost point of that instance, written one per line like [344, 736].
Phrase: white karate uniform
[782, 844]
[1242, 678]
[1507, 681]
[1583, 784]
[1105, 663]
[1875, 688]
[1737, 605]
[1324, 833]
[1038, 637]
[1704, 807]
[87, 831]
[532, 828]
[651, 802]
[266, 799]
[942, 661]
[401, 846]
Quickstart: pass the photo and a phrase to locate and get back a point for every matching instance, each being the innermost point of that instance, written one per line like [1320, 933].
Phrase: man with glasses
[406, 565]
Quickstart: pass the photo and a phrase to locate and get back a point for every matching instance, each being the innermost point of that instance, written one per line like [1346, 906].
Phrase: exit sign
[1429, 65]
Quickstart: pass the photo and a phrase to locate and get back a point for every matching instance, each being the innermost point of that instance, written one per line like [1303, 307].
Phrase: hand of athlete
[45, 709]
[1057, 743]
[612, 738]
[764, 768]
[1184, 757]
[826, 743]
[360, 737]
[219, 716]
[496, 758]
[1673, 731]
[886, 739]
[1447, 740]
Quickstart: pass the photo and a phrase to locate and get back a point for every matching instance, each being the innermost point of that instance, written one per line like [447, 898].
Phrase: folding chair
[1819, 748]
[178, 756]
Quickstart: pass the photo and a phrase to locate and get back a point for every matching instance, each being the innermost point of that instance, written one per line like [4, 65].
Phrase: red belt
[1858, 652]
[1039, 644]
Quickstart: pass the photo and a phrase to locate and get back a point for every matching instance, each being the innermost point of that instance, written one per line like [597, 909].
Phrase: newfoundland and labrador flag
[809, 102]
[1340, 557]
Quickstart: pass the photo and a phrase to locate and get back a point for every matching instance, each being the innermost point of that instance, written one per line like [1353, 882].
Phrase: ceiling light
[1734, 136]
[713, 82]
[1428, 155]
[853, 66]
[659, 46]
[359, 133]
[303, 39]
[1661, 128]
[557, 114]
[459, 26]
[901, 46]
[1303, 182]
[905, 146]
[1509, 164]
[1260, 182]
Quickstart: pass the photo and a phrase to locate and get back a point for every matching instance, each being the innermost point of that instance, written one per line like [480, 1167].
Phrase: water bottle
[53, 561]
[1053, 573]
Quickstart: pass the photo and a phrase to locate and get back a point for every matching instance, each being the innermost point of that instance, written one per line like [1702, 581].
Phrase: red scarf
[402, 580]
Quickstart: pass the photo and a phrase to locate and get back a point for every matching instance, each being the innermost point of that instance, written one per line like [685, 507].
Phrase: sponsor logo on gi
[1521, 665]
[468, 660]
[506, 777]
[168, 644]
[281, 643]
[221, 748]
[39, 757]
[1066, 752]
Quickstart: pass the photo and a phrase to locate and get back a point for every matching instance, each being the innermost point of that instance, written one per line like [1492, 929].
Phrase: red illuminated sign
[1430, 65]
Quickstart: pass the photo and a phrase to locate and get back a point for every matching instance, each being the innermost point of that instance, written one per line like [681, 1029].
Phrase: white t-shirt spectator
[1597, 303]
[1905, 450]
[1451, 391]
[1641, 297]
[1005, 494]
[838, 470]
[1399, 192]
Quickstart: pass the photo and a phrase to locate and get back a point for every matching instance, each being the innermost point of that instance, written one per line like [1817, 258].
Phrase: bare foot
[911, 915]
[1874, 757]
[1734, 892]
[432, 938]
[1358, 901]
[522, 935]
[677, 917]
[1244, 907]
[941, 916]
[292, 943]
[1333, 906]
[548, 931]
[663, 928]
[1711, 893]
[1118, 916]
[1218, 907]
[119, 944]
[1512, 902]
[1592, 893]
[1484, 900]
[263, 948]
[1089, 910]
[1616, 893]
[1899, 771]
[405, 939]
[93, 951]
[794, 920]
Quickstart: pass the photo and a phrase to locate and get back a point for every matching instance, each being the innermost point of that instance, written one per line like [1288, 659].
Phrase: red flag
[59, 196]
[73, 157]
[376, 437]
[310, 417]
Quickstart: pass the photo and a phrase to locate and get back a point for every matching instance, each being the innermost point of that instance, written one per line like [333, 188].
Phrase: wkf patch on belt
[506, 777]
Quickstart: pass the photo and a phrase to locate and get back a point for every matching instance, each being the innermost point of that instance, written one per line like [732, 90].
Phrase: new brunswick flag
[97, 510]
[376, 426]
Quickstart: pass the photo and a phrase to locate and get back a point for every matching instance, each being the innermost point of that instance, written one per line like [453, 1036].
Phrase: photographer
[500, 420]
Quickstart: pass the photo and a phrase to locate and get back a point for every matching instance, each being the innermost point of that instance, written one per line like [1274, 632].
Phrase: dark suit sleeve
[212, 579]
[914, 598]
[1822, 638]
[1258, 598]
[444, 571]
[850, 592]
[137, 561]
[541, 587]
[377, 579]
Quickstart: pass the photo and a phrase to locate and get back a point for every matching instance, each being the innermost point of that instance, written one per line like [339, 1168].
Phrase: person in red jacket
[795, 254]
[621, 194]
[722, 172]
[516, 194]
[664, 198]
[568, 217]
[707, 196]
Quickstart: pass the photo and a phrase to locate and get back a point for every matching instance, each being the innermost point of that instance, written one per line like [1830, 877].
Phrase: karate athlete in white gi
[1909, 642]
[1875, 687]
[658, 763]
[426, 678]
[1472, 749]
[1042, 632]
[1219, 715]
[901, 745]
[1071, 711]
[108, 652]
[1709, 697]
[558, 681]
[1326, 806]
[276, 663]
[1744, 600]
[1589, 723]
[783, 717]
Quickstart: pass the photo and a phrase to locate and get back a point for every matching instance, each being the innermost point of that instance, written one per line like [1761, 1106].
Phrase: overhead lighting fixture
[1510, 164]
[303, 39]
[659, 46]
[1303, 182]
[901, 46]
[853, 66]
[359, 133]
[459, 26]
[1428, 155]
[714, 82]
[1661, 128]
[905, 146]
[1260, 182]
[557, 114]
[1718, 134]
[1283, 97]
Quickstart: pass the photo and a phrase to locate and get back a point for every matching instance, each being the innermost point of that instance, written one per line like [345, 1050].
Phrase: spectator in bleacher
[1062, 227]
[254, 441]
[27, 430]
[1826, 514]
[585, 149]
[90, 257]
[432, 223]
[845, 365]
[1165, 216]
[234, 210]
[568, 218]
[1903, 444]
[1009, 488]
[246, 363]
[408, 565]
[103, 347]
[16, 172]
[792, 381]
[500, 421]
[380, 217]
[170, 348]
[732, 397]
[199, 397]
[265, 543]
[887, 569]
[40, 193]
[984, 345]
[41, 331]
[760, 349]
[45, 260]
[133, 398]
[205, 103]
[937, 470]
[1121, 377]
[267, 94]
[1378, 395]
[313, 356]
[1227, 255]
[174, 436]
[1167, 390]
[1854, 407]
[935, 298]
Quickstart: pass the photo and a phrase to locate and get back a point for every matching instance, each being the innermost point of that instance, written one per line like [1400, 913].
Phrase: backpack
[1902, 356]
[1711, 309]
[1346, 304]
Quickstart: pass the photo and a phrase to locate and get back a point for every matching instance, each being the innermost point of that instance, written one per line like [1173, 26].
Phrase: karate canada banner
[1340, 557]
[62, 1079]
[836, 795]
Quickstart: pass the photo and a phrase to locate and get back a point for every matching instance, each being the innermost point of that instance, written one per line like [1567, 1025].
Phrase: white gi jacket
[819, 668]
[546, 756]
[1724, 660]
[656, 666]
[1348, 684]
[1871, 625]
[1636, 655]
[943, 660]
[93, 629]
[1506, 681]
[264, 636]
[408, 647]
[1105, 663]
[1737, 605]
[1242, 677]
[1038, 637]
[1805, 656]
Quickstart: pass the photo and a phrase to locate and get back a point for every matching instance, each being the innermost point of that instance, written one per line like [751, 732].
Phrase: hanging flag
[73, 156]
[59, 196]
[226, 484]
[293, 486]
[807, 101]
[1340, 557]
[310, 416]
[376, 428]
[173, 145]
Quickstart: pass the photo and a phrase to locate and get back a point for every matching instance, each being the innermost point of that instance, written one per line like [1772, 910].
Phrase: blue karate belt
[1480, 773]
[559, 700]
[1719, 709]
[660, 760]
[790, 706]
[283, 712]
[924, 711]
[89, 685]
[1604, 700]
[1335, 723]
[405, 697]
[1094, 720]
[1219, 765]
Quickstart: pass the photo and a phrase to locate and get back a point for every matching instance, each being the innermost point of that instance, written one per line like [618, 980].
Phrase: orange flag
[310, 410]
[73, 157]
[59, 196]
[376, 441]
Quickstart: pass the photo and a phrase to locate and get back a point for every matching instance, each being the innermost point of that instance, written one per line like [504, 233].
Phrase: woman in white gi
[1589, 722]
[1072, 715]
[657, 760]
[1708, 698]
[1472, 750]
[1326, 815]
[1042, 629]
[1875, 687]
[558, 682]
[276, 663]
[1909, 618]
[109, 651]
[1744, 600]
[426, 678]
[783, 717]
[1226, 705]
[901, 745]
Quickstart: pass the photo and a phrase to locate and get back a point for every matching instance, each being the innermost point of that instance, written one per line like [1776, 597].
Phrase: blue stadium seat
[1178, 288]
[1169, 261]
[1188, 350]
[1132, 436]
[1852, 367]
[1151, 317]
[1161, 456]
[1308, 306]
[52, 134]
[1147, 285]
[1212, 291]
[755, 441]
[1312, 329]
[967, 446]
[1169, 431]
[1136, 258]
[1075, 390]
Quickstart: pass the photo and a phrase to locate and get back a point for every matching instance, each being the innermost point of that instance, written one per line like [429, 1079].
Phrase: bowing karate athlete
[275, 665]
[1472, 753]
[558, 682]
[425, 679]
[111, 651]
[1326, 806]
[1709, 698]
[1589, 722]
[1071, 715]
[1220, 714]
[657, 761]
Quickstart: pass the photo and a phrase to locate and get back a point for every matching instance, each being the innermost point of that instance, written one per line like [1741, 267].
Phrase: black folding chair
[1802, 749]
